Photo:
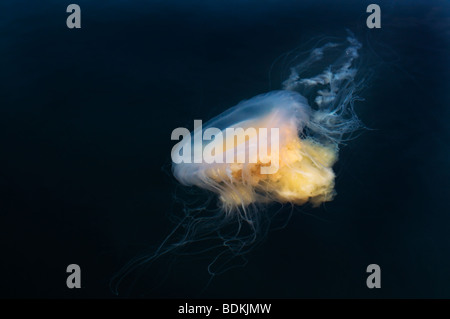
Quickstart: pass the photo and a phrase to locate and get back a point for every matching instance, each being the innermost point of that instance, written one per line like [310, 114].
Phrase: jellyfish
[276, 147]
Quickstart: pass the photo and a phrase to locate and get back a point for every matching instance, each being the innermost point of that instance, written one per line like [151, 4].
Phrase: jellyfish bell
[261, 157]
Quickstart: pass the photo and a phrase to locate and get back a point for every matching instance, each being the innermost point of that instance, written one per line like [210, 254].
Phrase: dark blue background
[85, 123]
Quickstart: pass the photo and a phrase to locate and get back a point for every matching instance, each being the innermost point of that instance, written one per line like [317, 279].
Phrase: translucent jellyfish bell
[275, 165]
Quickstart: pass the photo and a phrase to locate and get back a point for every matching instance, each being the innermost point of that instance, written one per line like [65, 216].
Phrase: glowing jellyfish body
[297, 170]
[249, 169]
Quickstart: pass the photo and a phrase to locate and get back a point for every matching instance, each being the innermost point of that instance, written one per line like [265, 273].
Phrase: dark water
[86, 117]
